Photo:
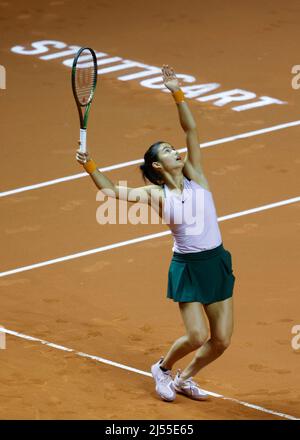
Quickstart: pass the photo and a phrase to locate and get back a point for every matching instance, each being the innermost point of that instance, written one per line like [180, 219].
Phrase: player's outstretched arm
[141, 194]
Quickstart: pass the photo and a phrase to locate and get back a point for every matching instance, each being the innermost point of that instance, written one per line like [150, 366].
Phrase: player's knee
[221, 344]
[197, 338]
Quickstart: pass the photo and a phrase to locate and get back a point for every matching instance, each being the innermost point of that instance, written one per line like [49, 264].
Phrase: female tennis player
[200, 277]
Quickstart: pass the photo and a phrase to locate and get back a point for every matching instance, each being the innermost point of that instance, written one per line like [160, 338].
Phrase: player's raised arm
[193, 156]
[141, 194]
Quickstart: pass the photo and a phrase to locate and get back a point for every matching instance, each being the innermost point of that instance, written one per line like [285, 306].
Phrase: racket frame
[84, 117]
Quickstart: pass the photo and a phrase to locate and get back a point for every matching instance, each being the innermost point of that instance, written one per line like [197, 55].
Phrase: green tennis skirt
[205, 276]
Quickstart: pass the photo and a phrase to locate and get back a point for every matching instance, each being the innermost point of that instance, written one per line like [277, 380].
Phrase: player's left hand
[169, 78]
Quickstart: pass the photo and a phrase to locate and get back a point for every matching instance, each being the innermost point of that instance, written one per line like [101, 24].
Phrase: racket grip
[82, 146]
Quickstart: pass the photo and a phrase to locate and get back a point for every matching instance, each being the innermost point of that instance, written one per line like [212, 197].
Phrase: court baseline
[134, 370]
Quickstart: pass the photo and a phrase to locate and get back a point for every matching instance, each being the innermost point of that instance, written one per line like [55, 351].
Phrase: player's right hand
[82, 157]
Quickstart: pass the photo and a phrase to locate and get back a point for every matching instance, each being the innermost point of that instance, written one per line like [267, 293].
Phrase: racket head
[84, 81]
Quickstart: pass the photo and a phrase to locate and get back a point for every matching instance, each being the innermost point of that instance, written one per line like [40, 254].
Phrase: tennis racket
[84, 81]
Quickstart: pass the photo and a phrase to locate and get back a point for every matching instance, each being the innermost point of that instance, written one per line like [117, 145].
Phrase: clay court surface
[112, 304]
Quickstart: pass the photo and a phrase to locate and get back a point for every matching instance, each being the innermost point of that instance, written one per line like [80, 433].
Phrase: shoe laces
[166, 376]
[192, 384]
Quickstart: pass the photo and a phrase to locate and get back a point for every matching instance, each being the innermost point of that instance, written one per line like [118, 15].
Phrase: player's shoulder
[154, 190]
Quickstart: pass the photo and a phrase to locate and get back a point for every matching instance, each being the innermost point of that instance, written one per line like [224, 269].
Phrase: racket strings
[84, 83]
[85, 77]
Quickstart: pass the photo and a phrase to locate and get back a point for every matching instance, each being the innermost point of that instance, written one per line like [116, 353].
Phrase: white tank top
[192, 218]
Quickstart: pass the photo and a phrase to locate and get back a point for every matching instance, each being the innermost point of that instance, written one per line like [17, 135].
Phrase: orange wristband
[90, 166]
[178, 96]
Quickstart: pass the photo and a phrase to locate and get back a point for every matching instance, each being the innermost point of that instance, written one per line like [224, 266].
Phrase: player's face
[169, 157]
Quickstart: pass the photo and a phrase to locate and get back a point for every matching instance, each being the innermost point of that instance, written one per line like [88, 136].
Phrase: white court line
[139, 239]
[134, 162]
[135, 370]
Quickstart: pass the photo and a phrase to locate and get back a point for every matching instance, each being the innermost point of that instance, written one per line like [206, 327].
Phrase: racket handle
[82, 146]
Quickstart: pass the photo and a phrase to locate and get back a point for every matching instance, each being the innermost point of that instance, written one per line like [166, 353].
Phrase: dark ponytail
[147, 169]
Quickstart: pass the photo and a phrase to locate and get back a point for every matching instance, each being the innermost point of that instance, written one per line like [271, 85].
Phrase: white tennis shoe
[189, 388]
[164, 382]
